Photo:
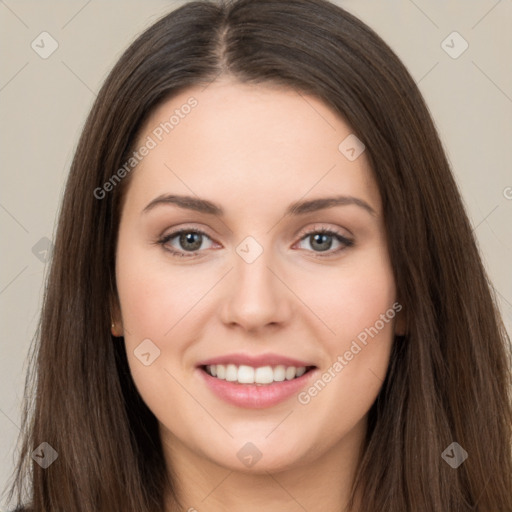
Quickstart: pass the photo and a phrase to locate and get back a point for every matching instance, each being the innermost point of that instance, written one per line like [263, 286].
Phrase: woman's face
[260, 289]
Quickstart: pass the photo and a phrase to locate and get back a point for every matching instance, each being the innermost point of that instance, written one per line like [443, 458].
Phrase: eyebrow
[300, 207]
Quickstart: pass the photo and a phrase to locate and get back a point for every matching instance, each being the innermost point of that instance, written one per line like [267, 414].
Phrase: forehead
[248, 142]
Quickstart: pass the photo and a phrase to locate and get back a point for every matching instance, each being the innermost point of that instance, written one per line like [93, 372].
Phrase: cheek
[152, 298]
[351, 297]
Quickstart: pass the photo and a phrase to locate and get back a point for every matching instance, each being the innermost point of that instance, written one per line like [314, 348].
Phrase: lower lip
[253, 396]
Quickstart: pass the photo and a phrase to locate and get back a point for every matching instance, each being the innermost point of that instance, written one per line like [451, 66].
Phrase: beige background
[44, 102]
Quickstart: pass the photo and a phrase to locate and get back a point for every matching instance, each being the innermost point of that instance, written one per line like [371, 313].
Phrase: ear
[115, 316]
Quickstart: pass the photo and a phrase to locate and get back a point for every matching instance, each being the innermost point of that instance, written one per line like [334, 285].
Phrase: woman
[263, 367]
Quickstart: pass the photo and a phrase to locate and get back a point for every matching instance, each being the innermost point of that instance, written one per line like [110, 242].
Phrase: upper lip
[255, 360]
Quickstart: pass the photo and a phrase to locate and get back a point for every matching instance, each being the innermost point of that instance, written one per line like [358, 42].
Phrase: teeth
[221, 371]
[264, 375]
[231, 372]
[300, 371]
[248, 375]
[245, 374]
[290, 372]
[279, 373]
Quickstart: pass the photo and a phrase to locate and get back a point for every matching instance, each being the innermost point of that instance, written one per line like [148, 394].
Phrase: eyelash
[347, 242]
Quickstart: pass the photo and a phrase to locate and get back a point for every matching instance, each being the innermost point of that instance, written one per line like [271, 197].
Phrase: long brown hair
[449, 378]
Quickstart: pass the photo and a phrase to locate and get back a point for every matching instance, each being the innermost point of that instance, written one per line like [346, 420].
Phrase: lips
[275, 379]
[255, 360]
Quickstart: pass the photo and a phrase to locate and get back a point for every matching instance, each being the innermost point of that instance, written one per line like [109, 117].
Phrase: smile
[262, 375]
[258, 387]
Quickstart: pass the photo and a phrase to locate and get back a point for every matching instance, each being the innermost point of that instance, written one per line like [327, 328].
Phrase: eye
[321, 241]
[188, 240]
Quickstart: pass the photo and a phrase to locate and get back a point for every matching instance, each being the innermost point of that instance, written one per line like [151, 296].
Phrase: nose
[256, 295]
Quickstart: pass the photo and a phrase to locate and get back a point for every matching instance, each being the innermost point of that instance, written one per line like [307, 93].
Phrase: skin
[254, 149]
